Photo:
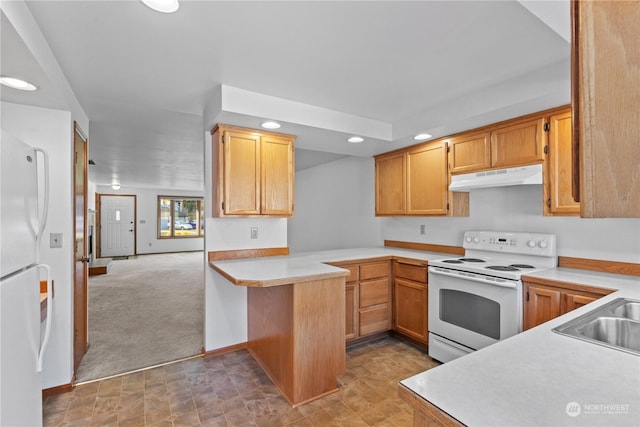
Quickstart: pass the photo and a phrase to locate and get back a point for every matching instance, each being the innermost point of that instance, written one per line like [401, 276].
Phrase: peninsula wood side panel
[297, 335]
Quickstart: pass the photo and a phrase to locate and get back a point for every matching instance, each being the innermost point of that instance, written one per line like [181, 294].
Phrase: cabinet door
[241, 173]
[541, 304]
[470, 153]
[427, 179]
[606, 54]
[410, 309]
[277, 176]
[572, 300]
[351, 311]
[517, 145]
[560, 173]
[374, 319]
[390, 185]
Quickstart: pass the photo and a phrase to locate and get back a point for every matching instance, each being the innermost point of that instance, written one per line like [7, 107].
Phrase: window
[179, 217]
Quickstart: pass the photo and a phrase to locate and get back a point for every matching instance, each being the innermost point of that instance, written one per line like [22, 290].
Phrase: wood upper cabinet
[543, 302]
[427, 179]
[253, 172]
[470, 152]
[410, 301]
[518, 144]
[390, 184]
[605, 100]
[559, 170]
[413, 181]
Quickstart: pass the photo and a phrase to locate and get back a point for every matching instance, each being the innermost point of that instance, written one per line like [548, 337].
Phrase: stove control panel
[514, 243]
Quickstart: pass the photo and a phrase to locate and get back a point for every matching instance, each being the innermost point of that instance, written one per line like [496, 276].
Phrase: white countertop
[531, 378]
[298, 267]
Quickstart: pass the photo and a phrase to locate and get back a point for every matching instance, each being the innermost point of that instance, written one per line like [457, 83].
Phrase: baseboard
[65, 388]
[224, 350]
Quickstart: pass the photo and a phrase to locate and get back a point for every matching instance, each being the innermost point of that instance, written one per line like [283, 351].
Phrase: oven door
[471, 309]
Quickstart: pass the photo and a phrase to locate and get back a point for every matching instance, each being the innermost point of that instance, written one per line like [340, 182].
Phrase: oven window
[470, 311]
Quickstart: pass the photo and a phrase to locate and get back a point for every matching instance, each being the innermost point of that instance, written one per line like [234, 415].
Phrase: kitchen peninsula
[296, 314]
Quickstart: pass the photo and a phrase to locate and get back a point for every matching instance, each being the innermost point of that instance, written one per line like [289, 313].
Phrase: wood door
[470, 152]
[518, 144]
[117, 225]
[277, 176]
[559, 168]
[572, 300]
[605, 100]
[427, 179]
[80, 256]
[410, 309]
[351, 311]
[390, 185]
[541, 304]
[241, 173]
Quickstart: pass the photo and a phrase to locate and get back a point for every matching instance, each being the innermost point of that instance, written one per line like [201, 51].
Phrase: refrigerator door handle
[45, 209]
[47, 330]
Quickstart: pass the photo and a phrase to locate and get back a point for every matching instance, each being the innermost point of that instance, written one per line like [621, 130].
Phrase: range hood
[522, 175]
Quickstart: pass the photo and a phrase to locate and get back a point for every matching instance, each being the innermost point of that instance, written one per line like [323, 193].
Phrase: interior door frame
[98, 228]
[81, 260]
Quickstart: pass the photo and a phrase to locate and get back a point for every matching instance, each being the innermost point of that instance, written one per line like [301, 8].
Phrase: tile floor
[232, 390]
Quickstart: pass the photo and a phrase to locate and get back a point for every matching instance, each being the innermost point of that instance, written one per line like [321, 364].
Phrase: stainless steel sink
[615, 325]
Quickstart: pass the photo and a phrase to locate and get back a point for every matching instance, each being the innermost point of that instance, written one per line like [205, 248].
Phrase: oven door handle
[463, 275]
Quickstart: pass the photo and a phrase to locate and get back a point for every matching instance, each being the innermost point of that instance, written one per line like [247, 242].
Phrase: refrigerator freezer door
[20, 383]
[19, 222]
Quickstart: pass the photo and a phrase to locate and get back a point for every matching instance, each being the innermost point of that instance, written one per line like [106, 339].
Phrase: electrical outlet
[55, 240]
[254, 232]
[422, 229]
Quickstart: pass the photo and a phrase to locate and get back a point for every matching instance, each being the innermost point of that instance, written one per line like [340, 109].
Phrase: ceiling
[151, 84]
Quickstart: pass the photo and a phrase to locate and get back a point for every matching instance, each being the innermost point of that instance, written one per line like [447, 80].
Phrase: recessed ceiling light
[164, 6]
[16, 83]
[115, 186]
[422, 136]
[270, 125]
[355, 139]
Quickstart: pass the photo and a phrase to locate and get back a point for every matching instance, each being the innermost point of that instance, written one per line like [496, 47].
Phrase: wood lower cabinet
[253, 172]
[543, 302]
[410, 300]
[367, 298]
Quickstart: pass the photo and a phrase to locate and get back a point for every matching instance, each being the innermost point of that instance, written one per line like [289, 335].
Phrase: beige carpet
[144, 312]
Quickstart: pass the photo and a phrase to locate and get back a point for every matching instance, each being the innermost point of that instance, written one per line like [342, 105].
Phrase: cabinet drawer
[412, 272]
[374, 292]
[374, 270]
[374, 320]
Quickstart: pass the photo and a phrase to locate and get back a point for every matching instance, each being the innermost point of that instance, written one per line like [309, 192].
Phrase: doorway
[117, 225]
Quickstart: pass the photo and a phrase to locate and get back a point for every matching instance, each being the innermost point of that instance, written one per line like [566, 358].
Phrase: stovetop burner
[502, 268]
[452, 261]
[521, 266]
[472, 260]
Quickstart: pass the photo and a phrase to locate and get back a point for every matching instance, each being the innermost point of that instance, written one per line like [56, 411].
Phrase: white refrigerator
[24, 195]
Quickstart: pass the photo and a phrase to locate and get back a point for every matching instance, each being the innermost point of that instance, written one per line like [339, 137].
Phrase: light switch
[55, 240]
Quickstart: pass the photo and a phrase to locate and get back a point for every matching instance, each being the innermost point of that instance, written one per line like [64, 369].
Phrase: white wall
[520, 209]
[147, 219]
[334, 205]
[52, 130]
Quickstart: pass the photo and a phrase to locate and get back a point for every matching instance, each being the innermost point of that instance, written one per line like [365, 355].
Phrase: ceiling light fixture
[355, 139]
[164, 6]
[17, 83]
[422, 136]
[270, 125]
[115, 186]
